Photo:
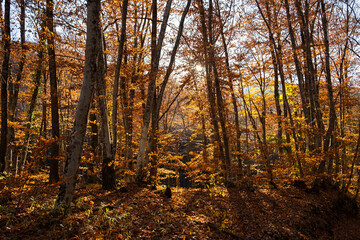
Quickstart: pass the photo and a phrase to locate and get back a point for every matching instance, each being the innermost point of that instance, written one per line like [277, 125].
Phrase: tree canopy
[189, 94]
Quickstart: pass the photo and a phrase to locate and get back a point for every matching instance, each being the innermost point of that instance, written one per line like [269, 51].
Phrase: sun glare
[199, 68]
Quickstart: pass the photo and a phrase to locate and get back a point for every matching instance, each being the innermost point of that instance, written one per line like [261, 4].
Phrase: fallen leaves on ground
[26, 212]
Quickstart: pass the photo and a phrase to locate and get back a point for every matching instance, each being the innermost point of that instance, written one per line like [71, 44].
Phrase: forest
[180, 119]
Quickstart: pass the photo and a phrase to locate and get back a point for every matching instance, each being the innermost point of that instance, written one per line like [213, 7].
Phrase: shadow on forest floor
[139, 213]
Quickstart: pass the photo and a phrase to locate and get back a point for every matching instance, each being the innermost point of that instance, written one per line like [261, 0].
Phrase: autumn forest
[167, 119]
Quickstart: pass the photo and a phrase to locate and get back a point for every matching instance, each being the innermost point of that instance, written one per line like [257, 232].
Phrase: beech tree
[5, 73]
[54, 174]
[39, 69]
[117, 76]
[108, 171]
[93, 34]
[156, 46]
[14, 86]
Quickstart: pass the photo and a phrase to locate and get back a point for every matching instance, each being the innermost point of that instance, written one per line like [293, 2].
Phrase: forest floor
[26, 212]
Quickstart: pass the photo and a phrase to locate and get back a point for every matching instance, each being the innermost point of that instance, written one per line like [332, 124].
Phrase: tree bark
[342, 86]
[108, 168]
[310, 76]
[14, 86]
[55, 126]
[277, 68]
[37, 81]
[209, 85]
[156, 113]
[43, 128]
[219, 98]
[300, 76]
[138, 59]
[66, 192]
[332, 113]
[117, 76]
[94, 140]
[156, 47]
[276, 53]
[5, 72]
[232, 92]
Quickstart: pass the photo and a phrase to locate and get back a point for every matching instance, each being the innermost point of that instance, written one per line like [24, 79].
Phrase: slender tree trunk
[332, 113]
[209, 85]
[342, 85]
[138, 60]
[141, 159]
[108, 167]
[262, 141]
[55, 125]
[129, 127]
[277, 100]
[272, 45]
[279, 58]
[310, 75]
[231, 85]
[5, 72]
[125, 99]
[156, 47]
[173, 56]
[245, 155]
[43, 128]
[219, 98]
[276, 53]
[303, 95]
[128, 118]
[94, 141]
[14, 87]
[156, 113]
[37, 81]
[117, 76]
[66, 192]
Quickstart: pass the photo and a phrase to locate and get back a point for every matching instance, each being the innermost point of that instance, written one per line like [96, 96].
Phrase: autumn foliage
[241, 110]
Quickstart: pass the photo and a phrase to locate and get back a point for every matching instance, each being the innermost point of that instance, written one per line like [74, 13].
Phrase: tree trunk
[342, 85]
[332, 113]
[117, 76]
[209, 85]
[108, 168]
[14, 87]
[233, 97]
[219, 98]
[286, 104]
[156, 47]
[141, 160]
[310, 76]
[66, 192]
[303, 95]
[94, 141]
[55, 126]
[37, 80]
[156, 113]
[43, 128]
[276, 53]
[138, 60]
[5, 72]
[272, 45]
